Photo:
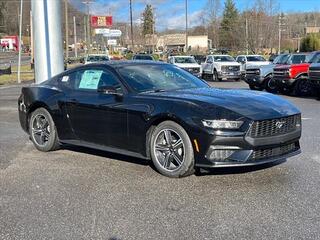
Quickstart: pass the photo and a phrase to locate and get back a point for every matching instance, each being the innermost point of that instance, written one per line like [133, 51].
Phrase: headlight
[222, 124]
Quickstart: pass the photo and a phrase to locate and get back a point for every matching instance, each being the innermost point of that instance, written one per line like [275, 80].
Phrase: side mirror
[109, 90]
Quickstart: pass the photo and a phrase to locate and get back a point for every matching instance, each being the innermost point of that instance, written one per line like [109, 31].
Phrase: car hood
[228, 63]
[187, 65]
[258, 63]
[251, 104]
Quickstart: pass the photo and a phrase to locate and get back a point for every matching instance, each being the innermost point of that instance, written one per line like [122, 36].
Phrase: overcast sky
[171, 13]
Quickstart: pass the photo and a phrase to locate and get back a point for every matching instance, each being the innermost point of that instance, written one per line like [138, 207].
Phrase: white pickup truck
[251, 60]
[220, 67]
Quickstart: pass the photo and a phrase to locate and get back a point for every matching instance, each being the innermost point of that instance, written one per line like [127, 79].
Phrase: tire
[270, 85]
[42, 131]
[302, 88]
[170, 160]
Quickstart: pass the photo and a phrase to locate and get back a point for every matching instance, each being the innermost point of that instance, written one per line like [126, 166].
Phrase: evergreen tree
[147, 20]
[310, 43]
[229, 23]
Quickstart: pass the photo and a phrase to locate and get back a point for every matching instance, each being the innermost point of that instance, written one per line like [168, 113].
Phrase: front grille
[193, 70]
[274, 152]
[314, 75]
[274, 127]
[252, 72]
[280, 73]
[230, 68]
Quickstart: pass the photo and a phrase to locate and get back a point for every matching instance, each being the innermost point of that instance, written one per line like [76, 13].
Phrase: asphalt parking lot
[77, 193]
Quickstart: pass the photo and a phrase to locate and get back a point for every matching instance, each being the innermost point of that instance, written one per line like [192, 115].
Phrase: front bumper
[234, 149]
[229, 75]
[284, 82]
[254, 80]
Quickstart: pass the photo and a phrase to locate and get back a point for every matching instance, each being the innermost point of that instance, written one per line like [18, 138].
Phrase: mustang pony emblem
[279, 124]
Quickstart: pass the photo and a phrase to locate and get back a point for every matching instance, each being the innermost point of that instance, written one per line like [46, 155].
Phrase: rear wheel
[171, 150]
[270, 85]
[42, 130]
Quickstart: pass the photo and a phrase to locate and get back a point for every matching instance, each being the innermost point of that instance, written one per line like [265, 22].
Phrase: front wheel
[302, 88]
[171, 150]
[42, 130]
[270, 85]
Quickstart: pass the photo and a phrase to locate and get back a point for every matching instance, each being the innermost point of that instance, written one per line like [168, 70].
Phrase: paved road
[79, 193]
[12, 58]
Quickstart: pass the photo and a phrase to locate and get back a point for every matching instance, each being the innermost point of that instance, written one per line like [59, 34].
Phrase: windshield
[297, 59]
[313, 58]
[281, 59]
[142, 57]
[97, 58]
[255, 59]
[223, 59]
[142, 78]
[184, 60]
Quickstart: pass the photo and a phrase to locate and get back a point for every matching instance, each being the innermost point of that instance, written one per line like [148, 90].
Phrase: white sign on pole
[113, 33]
[102, 30]
[112, 42]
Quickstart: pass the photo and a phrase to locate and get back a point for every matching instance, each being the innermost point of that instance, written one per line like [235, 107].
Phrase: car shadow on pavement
[105, 154]
[236, 170]
[198, 171]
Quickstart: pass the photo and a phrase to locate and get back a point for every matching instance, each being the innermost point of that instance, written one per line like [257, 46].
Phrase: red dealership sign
[101, 21]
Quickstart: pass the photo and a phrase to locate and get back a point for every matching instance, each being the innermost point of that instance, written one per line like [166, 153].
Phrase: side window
[240, 59]
[90, 80]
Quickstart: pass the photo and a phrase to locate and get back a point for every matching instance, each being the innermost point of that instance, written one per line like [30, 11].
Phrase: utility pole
[247, 36]
[87, 2]
[186, 1]
[67, 28]
[20, 39]
[281, 18]
[85, 28]
[48, 51]
[131, 23]
[75, 37]
[153, 30]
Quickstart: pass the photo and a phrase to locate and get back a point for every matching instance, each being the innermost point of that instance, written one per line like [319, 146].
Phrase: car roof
[120, 63]
[178, 56]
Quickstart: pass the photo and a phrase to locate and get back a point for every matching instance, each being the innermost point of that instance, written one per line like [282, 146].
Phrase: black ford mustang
[157, 111]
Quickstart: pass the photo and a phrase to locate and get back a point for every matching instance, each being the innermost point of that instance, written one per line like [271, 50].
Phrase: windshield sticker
[90, 79]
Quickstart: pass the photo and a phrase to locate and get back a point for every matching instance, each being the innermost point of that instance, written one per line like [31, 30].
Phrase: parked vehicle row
[288, 74]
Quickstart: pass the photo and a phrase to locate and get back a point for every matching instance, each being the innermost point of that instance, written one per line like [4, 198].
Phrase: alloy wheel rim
[271, 84]
[40, 130]
[169, 150]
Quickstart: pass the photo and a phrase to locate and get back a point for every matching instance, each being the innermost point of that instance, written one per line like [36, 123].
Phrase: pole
[20, 39]
[131, 23]
[85, 29]
[75, 37]
[247, 43]
[48, 51]
[279, 39]
[153, 31]
[67, 28]
[186, 1]
[31, 40]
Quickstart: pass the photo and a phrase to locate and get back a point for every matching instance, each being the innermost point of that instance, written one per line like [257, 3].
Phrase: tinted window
[184, 60]
[255, 59]
[296, 59]
[159, 77]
